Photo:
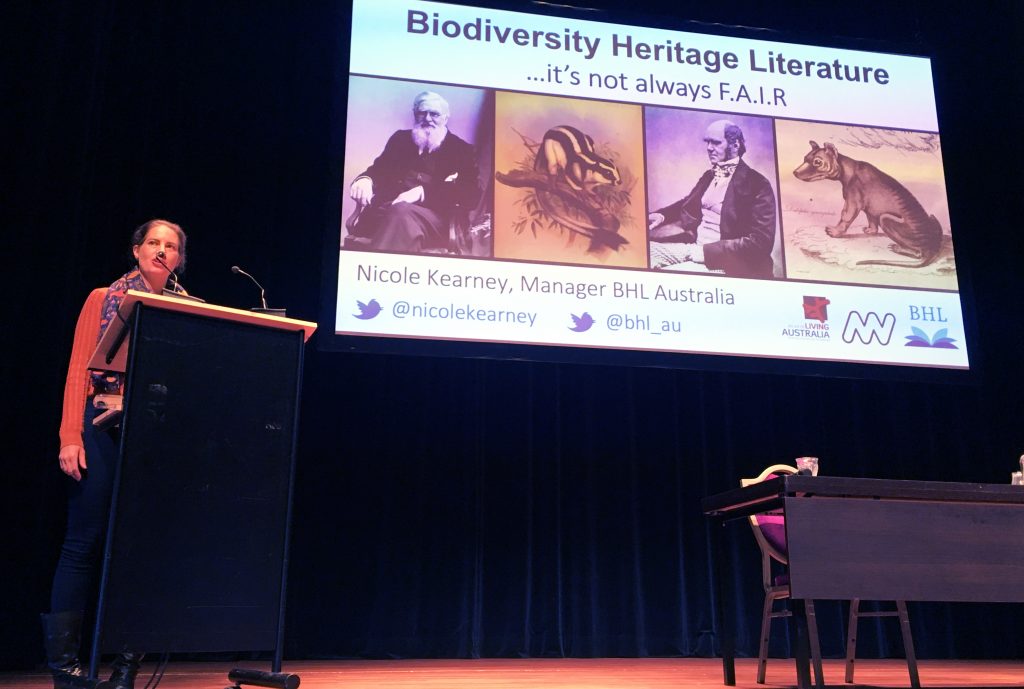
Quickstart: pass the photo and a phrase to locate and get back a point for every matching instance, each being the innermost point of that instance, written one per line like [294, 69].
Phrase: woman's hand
[72, 461]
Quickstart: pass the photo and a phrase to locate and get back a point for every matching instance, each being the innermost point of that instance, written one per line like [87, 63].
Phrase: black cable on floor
[158, 671]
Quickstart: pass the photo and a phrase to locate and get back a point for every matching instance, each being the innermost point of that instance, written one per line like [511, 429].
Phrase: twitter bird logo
[581, 324]
[367, 311]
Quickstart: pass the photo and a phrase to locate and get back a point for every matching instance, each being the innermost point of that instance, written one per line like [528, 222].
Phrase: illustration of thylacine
[567, 150]
[885, 202]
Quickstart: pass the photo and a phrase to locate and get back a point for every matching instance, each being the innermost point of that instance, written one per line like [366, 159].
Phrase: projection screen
[519, 179]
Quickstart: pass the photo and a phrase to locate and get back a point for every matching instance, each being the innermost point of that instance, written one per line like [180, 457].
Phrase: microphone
[160, 256]
[263, 294]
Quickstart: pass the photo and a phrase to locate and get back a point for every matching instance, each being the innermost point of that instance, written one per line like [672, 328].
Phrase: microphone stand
[175, 291]
[263, 296]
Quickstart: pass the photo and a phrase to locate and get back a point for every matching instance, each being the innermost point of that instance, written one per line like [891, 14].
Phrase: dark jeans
[88, 509]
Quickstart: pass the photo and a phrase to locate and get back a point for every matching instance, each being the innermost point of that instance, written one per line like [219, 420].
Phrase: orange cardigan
[78, 385]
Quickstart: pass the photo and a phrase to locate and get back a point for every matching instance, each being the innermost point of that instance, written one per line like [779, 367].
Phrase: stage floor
[610, 673]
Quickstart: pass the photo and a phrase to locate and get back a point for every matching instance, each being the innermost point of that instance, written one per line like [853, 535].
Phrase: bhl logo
[868, 327]
[927, 313]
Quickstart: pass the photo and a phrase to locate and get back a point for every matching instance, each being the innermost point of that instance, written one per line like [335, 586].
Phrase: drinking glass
[807, 463]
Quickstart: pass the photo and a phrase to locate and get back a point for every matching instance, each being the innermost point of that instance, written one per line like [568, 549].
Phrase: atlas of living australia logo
[815, 324]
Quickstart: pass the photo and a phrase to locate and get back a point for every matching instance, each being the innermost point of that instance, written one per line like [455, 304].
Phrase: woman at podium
[88, 455]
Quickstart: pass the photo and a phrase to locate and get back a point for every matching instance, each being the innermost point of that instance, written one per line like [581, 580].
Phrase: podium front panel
[199, 519]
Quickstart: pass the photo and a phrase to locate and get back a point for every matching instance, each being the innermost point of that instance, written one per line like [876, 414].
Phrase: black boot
[126, 667]
[62, 635]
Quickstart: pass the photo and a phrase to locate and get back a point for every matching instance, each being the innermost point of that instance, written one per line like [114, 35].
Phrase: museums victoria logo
[868, 327]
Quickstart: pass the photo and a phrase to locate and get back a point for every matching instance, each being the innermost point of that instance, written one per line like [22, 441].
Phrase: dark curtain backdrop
[456, 507]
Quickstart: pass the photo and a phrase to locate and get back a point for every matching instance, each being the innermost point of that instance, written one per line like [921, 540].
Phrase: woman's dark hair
[139, 236]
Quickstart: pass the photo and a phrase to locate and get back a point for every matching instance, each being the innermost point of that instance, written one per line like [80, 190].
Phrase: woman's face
[158, 238]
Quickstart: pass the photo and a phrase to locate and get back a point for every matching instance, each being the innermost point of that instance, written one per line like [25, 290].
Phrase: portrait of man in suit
[407, 198]
[727, 222]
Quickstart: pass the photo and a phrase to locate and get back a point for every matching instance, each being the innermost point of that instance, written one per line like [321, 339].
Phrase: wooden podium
[196, 555]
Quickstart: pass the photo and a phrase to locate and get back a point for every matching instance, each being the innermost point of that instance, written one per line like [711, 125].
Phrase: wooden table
[878, 540]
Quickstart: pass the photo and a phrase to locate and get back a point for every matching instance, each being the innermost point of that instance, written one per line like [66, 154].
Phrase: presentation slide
[535, 180]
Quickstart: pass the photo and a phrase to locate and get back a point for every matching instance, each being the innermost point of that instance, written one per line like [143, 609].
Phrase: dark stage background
[455, 507]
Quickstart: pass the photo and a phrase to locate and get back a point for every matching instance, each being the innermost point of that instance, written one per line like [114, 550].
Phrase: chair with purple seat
[770, 533]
